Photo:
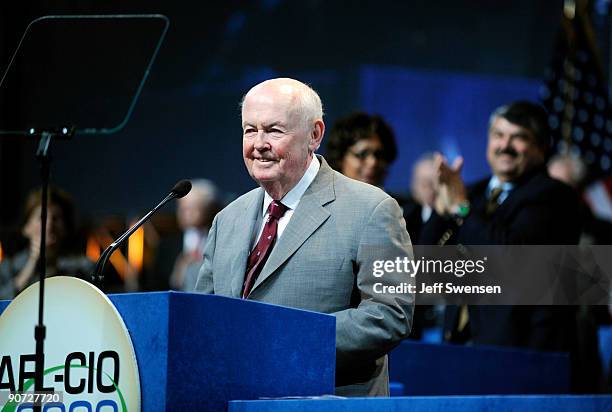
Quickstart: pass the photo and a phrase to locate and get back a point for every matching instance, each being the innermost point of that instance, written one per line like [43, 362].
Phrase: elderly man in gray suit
[310, 238]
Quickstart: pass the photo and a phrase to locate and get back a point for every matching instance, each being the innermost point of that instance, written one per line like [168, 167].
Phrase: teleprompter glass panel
[80, 71]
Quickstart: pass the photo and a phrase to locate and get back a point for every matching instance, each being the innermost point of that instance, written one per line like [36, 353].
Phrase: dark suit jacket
[411, 210]
[538, 211]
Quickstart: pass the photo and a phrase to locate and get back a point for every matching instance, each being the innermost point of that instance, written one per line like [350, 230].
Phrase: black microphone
[179, 190]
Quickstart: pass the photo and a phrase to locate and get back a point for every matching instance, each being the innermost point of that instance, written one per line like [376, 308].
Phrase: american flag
[575, 94]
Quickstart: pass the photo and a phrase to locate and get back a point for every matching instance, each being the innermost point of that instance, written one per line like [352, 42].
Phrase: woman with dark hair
[362, 147]
[20, 271]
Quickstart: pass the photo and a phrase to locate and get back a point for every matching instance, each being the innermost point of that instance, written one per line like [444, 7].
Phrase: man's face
[276, 142]
[512, 150]
[423, 183]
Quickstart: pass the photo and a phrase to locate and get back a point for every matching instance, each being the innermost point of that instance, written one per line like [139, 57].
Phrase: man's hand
[449, 186]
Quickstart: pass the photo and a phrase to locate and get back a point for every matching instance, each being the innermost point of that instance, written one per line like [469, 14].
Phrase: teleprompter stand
[74, 75]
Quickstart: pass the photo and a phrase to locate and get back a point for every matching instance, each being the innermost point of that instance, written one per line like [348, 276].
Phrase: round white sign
[89, 357]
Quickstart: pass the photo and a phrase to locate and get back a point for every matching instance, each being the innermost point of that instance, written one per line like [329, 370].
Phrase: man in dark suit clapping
[518, 205]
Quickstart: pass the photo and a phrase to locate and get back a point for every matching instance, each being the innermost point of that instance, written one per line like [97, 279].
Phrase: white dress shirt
[291, 199]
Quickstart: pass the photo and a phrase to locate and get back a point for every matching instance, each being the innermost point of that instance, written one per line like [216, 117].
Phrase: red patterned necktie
[259, 255]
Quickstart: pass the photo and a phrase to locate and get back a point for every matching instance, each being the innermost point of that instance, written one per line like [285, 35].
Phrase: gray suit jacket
[324, 262]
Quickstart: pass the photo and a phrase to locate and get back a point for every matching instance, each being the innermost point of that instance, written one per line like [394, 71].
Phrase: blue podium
[197, 352]
[498, 403]
[427, 369]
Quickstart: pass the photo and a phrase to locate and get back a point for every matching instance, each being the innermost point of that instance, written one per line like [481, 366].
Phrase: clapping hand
[448, 184]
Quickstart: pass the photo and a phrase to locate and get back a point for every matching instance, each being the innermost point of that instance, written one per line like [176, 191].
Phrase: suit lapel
[516, 197]
[309, 215]
[245, 229]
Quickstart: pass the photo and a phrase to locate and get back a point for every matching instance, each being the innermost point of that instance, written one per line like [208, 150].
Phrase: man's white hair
[308, 104]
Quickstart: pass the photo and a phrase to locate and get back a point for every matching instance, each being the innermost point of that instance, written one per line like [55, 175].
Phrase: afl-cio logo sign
[89, 356]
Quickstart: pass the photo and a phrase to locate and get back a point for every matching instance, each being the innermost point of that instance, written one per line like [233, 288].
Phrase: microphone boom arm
[98, 275]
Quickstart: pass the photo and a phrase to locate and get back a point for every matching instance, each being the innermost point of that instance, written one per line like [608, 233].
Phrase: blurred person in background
[569, 169]
[519, 204]
[362, 147]
[418, 208]
[194, 215]
[20, 271]
[179, 257]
